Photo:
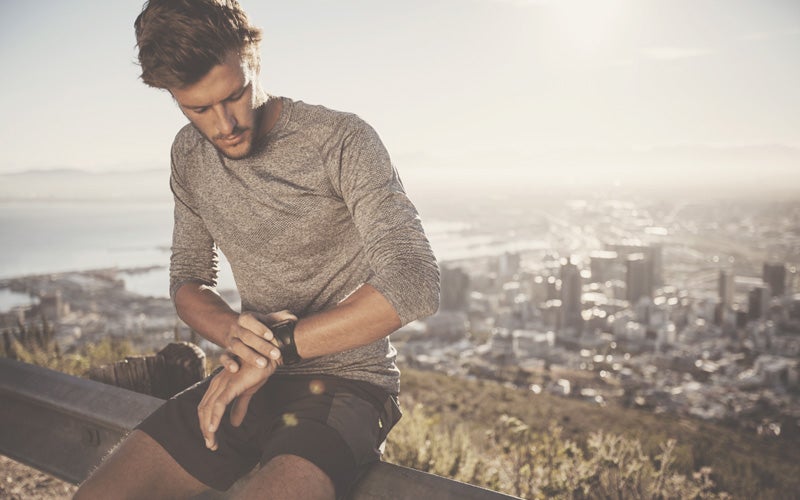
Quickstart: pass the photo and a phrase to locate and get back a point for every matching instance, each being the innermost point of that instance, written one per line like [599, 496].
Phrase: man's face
[223, 106]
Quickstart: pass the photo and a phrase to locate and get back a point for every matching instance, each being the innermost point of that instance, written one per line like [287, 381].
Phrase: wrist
[284, 333]
[230, 330]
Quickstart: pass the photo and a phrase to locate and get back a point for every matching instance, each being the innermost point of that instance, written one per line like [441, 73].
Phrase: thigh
[334, 424]
[139, 468]
[289, 477]
[176, 427]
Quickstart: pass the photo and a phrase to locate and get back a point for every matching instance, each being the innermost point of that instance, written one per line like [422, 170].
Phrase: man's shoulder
[321, 119]
[186, 140]
[303, 110]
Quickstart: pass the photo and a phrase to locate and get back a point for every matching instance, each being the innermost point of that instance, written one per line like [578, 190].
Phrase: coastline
[86, 306]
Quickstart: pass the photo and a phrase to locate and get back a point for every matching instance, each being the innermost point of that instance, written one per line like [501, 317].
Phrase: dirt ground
[20, 482]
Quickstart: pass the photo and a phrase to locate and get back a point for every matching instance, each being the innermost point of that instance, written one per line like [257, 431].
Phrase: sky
[555, 90]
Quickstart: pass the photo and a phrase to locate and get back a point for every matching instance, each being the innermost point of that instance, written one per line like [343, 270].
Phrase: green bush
[35, 344]
[511, 458]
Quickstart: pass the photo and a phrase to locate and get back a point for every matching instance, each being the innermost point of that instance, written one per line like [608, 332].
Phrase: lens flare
[290, 420]
[316, 387]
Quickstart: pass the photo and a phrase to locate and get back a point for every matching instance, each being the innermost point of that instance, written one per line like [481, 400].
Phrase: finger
[229, 362]
[260, 344]
[257, 336]
[248, 321]
[239, 409]
[211, 408]
[246, 353]
[217, 411]
[278, 316]
[204, 413]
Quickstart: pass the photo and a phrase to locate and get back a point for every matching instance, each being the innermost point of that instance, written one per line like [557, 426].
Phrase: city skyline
[564, 92]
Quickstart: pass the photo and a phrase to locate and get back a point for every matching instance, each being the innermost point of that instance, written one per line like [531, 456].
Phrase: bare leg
[289, 477]
[139, 468]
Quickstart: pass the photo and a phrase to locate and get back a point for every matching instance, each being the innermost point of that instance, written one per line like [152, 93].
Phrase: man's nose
[226, 122]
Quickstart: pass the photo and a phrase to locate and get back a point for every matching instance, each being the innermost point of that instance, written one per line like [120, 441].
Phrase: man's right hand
[251, 342]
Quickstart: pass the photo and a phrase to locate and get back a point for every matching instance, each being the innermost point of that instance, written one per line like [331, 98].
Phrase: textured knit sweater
[314, 212]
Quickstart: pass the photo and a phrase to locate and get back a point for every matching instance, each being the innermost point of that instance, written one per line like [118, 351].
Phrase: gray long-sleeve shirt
[314, 212]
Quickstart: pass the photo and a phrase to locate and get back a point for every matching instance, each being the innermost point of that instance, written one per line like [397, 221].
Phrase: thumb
[229, 361]
[239, 409]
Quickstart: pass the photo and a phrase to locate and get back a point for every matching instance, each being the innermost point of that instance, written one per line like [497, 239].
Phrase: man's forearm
[205, 312]
[362, 318]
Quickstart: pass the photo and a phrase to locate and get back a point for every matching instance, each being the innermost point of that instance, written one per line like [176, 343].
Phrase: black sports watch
[284, 332]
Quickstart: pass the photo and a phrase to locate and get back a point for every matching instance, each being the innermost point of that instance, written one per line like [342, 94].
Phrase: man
[329, 257]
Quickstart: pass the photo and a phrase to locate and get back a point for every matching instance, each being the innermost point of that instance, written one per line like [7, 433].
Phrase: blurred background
[612, 187]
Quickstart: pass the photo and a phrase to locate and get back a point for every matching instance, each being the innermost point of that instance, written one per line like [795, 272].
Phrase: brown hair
[180, 41]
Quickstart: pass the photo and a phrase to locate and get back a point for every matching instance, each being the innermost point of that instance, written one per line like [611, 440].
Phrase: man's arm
[360, 319]
[404, 269]
[208, 314]
[363, 317]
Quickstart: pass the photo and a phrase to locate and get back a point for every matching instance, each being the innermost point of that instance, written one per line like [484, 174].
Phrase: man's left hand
[226, 387]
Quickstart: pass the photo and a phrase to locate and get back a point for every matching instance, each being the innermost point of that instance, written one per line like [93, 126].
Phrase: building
[508, 265]
[653, 255]
[448, 326]
[774, 275]
[529, 343]
[502, 345]
[758, 303]
[603, 265]
[454, 289]
[51, 306]
[727, 285]
[638, 279]
[571, 289]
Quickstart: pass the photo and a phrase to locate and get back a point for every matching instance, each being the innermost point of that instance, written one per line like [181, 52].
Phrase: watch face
[284, 332]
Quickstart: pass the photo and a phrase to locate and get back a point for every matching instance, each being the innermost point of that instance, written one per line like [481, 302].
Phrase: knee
[290, 476]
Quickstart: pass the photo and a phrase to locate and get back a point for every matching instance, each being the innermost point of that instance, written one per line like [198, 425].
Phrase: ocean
[46, 237]
[39, 237]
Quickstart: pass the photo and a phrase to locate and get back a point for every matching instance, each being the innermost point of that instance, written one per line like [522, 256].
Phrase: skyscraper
[775, 276]
[455, 289]
[653, 255]
[758, 303]
[508, 265]
[726, 288]
[602, 264]
[638, 280]
[571, 291]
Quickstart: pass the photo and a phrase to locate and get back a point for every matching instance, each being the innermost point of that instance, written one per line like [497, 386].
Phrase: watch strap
[284, 333]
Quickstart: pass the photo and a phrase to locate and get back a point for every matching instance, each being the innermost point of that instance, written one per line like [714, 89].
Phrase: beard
[246, 144]
[245, 147]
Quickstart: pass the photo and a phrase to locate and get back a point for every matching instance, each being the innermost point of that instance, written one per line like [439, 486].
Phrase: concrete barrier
[65, 425]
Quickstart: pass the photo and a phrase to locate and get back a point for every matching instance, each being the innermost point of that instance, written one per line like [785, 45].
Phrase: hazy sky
[476, 84]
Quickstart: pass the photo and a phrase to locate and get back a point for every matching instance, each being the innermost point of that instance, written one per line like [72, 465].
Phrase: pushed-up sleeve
[403, 266]
[194, 255]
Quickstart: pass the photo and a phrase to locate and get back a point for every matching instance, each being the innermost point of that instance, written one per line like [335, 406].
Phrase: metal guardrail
[65, 425]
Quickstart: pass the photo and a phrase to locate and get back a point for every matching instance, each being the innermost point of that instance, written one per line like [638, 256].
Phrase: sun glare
[587, 26]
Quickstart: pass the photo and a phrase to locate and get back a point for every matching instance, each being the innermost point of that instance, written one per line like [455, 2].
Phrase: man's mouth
[232, 140]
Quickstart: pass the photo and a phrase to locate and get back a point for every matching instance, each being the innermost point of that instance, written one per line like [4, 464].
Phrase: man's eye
[200, 111]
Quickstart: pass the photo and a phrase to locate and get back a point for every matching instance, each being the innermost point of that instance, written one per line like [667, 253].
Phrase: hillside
[526, 444]
[747, 466]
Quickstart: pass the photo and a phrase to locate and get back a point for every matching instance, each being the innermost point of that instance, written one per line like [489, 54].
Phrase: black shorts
[337, 424]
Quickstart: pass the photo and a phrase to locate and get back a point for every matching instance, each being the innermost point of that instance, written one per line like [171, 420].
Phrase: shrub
[513, 459]
[35, 344]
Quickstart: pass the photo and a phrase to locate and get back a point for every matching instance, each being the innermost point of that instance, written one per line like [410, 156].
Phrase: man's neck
[270, 113]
